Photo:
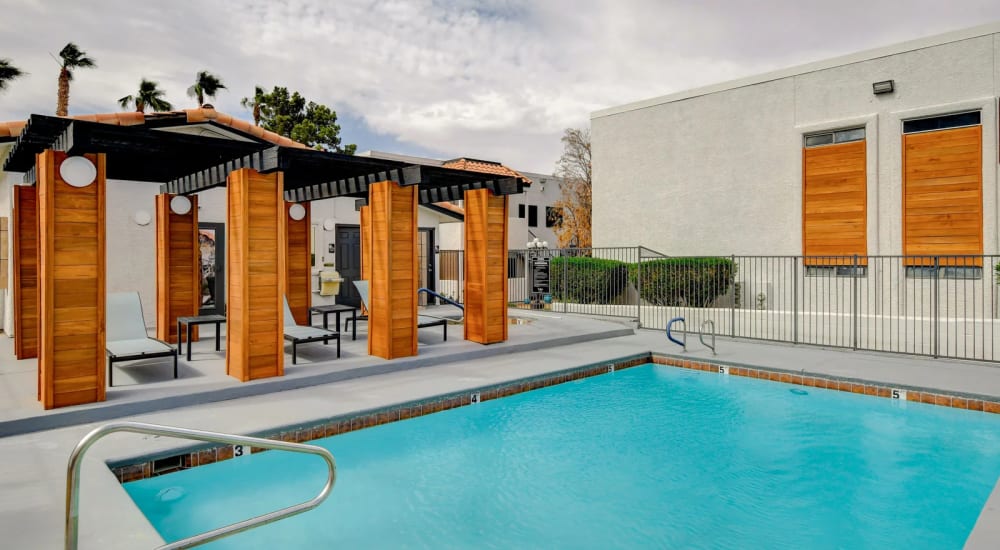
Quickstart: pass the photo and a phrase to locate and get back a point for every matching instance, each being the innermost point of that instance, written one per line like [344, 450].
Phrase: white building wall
[718, 171]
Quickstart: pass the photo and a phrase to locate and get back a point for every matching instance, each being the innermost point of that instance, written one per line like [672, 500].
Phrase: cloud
[497, 80]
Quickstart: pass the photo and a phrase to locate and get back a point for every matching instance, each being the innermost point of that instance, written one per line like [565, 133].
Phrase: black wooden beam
[354, 186]
[262, 161]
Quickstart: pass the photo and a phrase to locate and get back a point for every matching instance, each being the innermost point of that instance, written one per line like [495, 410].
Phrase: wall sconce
[883, 87]
[297, 212]
[329, 224]
[180, 205]
[78, 171]
[141, 217]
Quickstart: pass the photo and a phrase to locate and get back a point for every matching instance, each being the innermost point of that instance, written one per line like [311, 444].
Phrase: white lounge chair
[423, 321]
[125, 333]
[298, 334]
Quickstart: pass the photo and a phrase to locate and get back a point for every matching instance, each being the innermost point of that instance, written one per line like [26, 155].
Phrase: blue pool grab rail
[683, 327]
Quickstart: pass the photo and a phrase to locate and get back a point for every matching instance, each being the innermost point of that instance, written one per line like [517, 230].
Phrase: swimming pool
[651, 456]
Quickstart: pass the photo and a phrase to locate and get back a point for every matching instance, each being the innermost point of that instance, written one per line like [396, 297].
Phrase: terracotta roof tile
[451, 206]
[484, 166]
[11, 129]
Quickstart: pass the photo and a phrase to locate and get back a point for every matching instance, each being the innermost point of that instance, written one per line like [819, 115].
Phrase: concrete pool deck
[32, 482]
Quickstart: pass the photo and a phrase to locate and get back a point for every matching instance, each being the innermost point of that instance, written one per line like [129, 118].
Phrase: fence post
[934, 304]
[854, 303]
[795, 300]
[732, 304]
[638, 286]
[564, 288]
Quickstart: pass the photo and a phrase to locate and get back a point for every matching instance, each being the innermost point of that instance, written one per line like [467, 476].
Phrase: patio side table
[336, 309]
[196, 320]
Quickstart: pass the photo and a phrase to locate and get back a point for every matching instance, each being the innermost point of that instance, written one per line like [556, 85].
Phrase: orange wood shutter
[835, 203]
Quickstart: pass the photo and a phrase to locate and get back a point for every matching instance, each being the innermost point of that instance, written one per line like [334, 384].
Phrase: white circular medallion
[180, 205]
[78, 171]
[142, 217]
[329, 224]
[297, 211]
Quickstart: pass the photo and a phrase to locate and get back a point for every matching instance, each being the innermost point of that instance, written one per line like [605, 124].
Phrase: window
[520, 211]
[553, 216]
[839, 136]
[532, 216]
[944, 272]
[836, 271]
[941, 122]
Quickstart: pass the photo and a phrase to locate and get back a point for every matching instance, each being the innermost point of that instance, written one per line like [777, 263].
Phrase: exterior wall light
[78, 171]
[883, 87]
[180, 205]
[142, 217]
[297, 212]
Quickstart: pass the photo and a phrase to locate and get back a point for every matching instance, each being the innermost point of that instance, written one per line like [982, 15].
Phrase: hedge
[691, 282]
[588, 280]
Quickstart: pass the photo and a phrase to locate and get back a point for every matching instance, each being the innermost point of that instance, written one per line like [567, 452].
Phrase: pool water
[648, 457]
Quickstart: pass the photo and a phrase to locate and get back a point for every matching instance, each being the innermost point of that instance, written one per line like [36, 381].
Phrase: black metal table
[195, 321]
[336, 309]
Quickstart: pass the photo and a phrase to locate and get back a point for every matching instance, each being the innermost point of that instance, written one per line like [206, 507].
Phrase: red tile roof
[484, 166]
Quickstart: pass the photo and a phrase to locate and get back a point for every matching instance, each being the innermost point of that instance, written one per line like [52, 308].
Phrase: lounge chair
[423, 321]
[298, 334]
[125, 333]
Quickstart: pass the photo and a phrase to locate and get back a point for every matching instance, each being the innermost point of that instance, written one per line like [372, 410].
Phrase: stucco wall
[721, 172]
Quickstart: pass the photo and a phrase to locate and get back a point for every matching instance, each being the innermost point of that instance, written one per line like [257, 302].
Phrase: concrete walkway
[32, 482]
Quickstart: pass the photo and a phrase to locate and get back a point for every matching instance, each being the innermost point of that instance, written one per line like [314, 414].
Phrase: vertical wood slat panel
[256, 233]
[178, 267]
[71, 284]
[299, 265]
[835, 203]
[485, 262]
[392, 325]
[24, 223]
[943, 195]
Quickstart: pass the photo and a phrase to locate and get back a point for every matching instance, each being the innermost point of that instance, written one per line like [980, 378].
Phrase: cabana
[60, 254]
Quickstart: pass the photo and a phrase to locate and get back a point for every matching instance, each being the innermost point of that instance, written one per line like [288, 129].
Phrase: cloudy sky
[496, 80]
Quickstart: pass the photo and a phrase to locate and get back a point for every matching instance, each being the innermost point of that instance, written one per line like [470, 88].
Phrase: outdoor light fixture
[297, 212]
[883, 87]
[142, 217]
[535, 243]
[329, 224]
[180, 205]
[78, 171]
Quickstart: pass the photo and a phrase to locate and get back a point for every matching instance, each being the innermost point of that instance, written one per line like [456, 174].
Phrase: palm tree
[149, 95]
[255, 104]
[72, 58]
[205, 84]
[8, 73]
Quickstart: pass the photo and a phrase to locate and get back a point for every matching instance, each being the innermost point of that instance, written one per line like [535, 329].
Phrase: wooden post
[392, 288]
[255, 269]
[485, 267]
[71, 283]
[24, 223]
[298, 276]
[178, 266]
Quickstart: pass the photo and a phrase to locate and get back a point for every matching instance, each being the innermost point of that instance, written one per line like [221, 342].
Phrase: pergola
[59, 234]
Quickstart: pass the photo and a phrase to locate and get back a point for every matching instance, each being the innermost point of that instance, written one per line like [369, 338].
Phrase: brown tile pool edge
[143, 467]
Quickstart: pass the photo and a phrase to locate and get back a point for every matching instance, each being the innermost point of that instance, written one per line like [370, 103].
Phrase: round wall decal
[297, 212]
[180, 205]
[78, 171]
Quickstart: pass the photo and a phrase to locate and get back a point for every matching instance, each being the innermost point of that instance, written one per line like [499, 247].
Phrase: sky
[497, 80]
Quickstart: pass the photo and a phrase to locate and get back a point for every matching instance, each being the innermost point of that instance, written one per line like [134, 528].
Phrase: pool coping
[186, 456]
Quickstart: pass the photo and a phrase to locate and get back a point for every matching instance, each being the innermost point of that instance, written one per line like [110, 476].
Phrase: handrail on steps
[701, 334]
[683, 328]
[75, 460]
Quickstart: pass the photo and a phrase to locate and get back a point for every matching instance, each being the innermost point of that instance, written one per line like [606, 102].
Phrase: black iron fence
[942, 306]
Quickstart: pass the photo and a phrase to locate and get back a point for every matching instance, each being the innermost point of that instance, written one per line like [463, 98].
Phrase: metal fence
[942, 306]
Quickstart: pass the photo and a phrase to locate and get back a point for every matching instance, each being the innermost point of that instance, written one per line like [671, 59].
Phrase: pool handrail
[444, 299]
[683, 328]
[701, 334]
[75, 460]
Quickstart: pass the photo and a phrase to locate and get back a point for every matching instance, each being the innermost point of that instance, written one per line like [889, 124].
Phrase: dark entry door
[348, 241]
[212, 249]
[425, 264]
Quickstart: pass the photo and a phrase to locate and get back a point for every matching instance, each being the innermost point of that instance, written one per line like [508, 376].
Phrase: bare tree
[575, 204]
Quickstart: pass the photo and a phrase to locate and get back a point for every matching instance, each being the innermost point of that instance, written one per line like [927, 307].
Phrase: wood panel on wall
[24, 222]
[255, 267]
[835, 203]
[943, 195]
[71, 284]
[298, 278]
[392, 319]
[485, 267]
[366, 248]
[178, 267]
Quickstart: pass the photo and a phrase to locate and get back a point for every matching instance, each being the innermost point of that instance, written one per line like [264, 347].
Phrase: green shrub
[587, 280]
[692, 282]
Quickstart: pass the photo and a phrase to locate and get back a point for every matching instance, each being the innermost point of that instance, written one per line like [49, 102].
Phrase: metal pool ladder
[75, 459]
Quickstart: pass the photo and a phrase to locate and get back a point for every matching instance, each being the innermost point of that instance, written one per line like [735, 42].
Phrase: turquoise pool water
[648, 457]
